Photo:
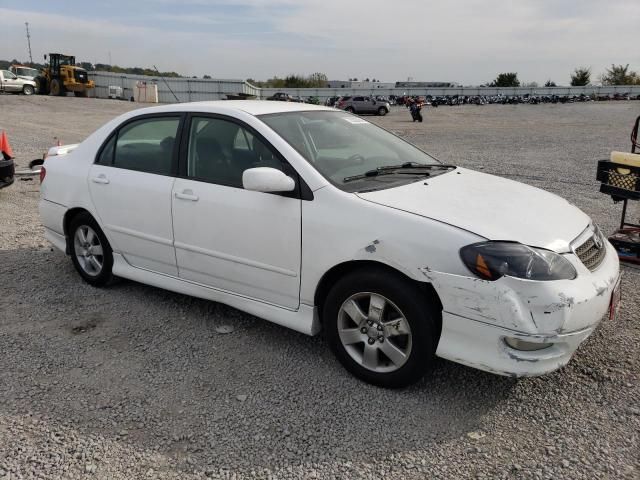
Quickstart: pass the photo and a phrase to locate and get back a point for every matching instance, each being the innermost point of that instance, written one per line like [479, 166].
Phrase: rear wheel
[28, 89]
[83, 93]
[91, 253]
[57, 88]
[381, 328]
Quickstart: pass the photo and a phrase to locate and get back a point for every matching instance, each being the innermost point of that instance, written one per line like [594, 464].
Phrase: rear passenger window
[147, 145]
[358, 99]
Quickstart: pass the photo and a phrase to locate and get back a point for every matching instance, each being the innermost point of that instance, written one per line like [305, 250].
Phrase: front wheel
[28, 90]
[91, 253]
[57, 88]
[382, 111]
[350, 110]
[381, 328]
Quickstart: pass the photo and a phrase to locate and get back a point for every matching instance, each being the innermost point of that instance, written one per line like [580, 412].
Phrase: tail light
[43, 173]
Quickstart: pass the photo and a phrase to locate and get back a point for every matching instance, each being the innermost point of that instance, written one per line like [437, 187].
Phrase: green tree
[581, 77]
[207, 77]
[509, 79]
[317, 80]
[620, 75]
[550, 83]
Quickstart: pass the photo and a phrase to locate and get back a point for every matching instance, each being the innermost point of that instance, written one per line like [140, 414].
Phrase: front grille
[81, 76]
[592, 252]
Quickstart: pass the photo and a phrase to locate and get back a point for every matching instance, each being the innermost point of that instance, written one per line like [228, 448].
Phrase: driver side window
[220, 151]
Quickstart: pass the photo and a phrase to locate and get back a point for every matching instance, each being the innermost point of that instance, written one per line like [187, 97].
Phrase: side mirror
[267, 179]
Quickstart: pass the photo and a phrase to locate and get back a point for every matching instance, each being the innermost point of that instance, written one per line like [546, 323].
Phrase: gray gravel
[135, 382]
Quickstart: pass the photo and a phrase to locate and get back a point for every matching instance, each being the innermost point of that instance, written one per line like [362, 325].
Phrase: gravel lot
[135, 382]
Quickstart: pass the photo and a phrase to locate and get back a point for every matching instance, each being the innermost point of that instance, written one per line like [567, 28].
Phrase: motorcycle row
[452, 100]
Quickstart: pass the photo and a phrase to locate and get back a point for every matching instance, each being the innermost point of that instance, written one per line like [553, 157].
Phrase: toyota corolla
[318, 220]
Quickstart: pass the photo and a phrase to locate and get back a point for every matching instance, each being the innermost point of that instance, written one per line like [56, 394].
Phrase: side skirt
[304, 320]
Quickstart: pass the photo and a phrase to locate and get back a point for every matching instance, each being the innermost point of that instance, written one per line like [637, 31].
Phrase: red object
[5, 148]
[43, 173]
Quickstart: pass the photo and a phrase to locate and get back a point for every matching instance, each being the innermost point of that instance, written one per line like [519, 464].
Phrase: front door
[130, 186]
[244, 242]
[10, 83]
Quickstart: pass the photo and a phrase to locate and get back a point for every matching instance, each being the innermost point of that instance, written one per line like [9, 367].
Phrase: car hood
[492, 207]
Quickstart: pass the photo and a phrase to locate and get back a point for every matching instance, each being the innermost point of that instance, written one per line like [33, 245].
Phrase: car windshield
[343, 147]
[27, 72]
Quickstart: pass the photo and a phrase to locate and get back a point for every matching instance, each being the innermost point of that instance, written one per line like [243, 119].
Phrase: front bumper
[478, 315]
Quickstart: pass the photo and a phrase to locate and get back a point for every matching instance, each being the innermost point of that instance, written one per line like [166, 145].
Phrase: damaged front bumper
[481, 319]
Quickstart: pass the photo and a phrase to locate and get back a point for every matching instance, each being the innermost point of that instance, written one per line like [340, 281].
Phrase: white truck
[11, 83]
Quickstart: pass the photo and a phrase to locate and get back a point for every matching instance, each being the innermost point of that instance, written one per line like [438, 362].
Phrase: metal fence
[185, 89]
[194, 90]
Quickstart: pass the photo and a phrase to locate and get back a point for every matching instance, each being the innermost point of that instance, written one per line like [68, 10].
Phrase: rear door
[240, 241]
[130, 186]
[358, 104]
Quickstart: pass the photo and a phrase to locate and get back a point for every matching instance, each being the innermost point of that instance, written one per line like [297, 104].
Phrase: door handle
[187, 195]
[102, 178]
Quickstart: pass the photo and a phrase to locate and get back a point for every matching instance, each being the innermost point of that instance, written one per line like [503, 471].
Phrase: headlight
[492, 260]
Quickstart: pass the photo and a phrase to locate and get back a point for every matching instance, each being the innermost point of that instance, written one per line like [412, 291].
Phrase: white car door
[240, 241]
[130, 186]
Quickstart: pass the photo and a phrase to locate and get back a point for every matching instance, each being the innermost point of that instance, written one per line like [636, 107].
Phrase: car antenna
[167, 84]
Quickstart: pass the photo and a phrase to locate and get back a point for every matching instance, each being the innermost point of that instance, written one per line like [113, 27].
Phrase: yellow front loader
[62, 76]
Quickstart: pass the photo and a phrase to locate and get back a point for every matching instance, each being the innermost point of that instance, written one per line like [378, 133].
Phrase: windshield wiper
[391, 169]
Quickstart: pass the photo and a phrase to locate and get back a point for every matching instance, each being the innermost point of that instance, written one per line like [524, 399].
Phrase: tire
[57, 88]
[350, 110]
[84, 236]
[28, 90]
[354, 347]
[82, 94]
[382, 111]
[41, 84]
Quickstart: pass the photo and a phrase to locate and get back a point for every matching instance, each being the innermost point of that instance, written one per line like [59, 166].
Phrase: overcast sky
[465, 41]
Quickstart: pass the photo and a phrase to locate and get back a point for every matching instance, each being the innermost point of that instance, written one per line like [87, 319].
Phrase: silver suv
[363, 105]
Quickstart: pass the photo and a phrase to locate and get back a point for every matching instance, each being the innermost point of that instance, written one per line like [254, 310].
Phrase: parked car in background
[7, 167]
[22, 71]
[315, 218]
[331, 101]
[7, 172]
[281, 97]
[11, 83]
[362, 105]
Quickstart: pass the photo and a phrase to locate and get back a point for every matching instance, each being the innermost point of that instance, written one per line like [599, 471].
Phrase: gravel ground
[135, 382]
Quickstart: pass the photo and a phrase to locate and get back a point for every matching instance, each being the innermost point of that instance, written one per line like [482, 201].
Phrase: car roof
[252, 107]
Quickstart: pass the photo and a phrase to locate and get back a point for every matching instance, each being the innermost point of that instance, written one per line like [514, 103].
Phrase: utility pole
[29, 42]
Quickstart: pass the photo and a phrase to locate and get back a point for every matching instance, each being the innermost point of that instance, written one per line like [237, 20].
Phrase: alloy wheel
[374, 332]
[88, 250]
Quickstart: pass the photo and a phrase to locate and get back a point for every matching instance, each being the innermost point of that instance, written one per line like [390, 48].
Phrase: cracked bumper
[478, 315]
[482, 346]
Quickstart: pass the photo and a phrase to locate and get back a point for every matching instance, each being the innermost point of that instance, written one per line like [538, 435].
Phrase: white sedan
[316, 219]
